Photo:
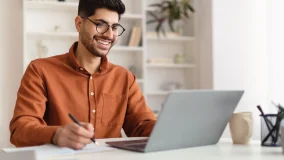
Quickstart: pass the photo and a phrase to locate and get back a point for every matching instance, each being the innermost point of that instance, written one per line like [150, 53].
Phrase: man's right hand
[74, 136]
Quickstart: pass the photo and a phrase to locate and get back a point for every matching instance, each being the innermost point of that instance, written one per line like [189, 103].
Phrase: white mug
[241, 126]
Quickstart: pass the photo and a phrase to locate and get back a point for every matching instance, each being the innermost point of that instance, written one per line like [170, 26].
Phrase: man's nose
[108, 33]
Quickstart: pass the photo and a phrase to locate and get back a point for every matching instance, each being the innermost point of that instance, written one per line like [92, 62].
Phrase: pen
[77, 122]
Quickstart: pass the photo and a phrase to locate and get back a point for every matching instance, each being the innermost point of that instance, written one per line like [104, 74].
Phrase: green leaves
[280, 113]
[190, 8]
[170, 10]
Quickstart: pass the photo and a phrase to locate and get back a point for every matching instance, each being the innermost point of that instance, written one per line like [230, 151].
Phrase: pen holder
[282, 136]
[270, 130]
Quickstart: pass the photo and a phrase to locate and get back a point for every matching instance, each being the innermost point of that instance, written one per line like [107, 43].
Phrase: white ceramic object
[241, 125]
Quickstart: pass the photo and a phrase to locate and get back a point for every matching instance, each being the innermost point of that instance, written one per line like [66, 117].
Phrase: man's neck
[87, 60]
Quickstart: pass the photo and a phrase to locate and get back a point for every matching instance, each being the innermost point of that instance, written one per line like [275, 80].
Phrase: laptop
[188, 118]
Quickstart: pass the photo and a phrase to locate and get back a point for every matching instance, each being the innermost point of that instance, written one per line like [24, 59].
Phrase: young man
[103, 96]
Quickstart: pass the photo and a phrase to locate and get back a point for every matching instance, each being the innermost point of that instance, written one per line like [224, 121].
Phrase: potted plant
[169, 11]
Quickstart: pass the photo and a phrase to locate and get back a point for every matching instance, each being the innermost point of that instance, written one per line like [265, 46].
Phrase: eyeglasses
[102, 27]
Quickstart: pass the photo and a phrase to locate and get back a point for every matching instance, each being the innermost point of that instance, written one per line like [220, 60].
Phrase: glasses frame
[123, 29]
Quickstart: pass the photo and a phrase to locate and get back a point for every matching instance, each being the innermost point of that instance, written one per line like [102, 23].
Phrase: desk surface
[223, 150]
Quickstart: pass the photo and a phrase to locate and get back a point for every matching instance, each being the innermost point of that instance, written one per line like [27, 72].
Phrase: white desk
[223, 150]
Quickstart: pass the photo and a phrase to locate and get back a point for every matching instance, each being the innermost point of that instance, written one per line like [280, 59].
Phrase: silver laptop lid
[192, 118]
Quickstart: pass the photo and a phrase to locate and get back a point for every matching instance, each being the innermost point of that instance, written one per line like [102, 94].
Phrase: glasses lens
[102, 27]
[117, 30]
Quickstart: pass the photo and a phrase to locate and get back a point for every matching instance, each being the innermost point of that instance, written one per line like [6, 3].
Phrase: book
[135, 36]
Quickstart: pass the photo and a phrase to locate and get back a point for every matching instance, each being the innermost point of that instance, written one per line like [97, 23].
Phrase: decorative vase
[179, 58]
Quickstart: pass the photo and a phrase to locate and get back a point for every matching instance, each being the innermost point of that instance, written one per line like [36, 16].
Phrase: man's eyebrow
[102, 20]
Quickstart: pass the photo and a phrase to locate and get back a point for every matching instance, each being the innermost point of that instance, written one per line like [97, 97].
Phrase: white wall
[240, 53]
[11, 48]
[275, 49]
[204, 37]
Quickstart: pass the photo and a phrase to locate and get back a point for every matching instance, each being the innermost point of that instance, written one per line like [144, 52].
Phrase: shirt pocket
[114, 109]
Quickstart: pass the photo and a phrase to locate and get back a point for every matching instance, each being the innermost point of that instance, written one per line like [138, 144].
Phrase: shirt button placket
[92, 105]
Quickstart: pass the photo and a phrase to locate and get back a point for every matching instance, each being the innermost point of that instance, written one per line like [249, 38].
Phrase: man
[103, 96]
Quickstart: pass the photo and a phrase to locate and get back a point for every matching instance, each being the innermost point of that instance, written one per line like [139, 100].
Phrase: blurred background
[217, 44]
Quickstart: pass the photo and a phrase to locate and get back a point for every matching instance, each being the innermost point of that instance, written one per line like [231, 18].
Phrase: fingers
[78, 138]
[70, 143]
[74, 136]
[88, 126]
[82, 131]
[75, 145]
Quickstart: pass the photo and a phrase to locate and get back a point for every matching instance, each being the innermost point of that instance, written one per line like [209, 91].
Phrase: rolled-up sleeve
[27, 126]
[139, 120]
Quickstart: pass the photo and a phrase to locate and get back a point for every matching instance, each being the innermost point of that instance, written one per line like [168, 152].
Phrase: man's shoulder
[119, 68]
[52, 63]
[53, 60]
[120, 71]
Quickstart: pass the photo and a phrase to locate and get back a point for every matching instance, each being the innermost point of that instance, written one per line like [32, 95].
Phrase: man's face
[96, 43]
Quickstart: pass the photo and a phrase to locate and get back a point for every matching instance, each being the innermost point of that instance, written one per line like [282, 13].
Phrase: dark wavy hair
[88, 7]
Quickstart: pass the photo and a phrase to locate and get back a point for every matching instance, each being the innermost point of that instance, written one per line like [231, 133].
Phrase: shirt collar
[74, 63]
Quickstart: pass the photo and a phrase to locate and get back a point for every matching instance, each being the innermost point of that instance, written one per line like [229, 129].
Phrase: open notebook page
[47, 151]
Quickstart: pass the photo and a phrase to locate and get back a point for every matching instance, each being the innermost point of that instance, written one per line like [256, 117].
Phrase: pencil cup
[270, 130]
[282, 136]
[241, 126]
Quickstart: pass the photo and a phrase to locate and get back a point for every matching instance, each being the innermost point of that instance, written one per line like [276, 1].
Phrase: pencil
[77, 122]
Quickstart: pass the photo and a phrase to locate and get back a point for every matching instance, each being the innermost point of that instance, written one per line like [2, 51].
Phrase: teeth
[103, 42]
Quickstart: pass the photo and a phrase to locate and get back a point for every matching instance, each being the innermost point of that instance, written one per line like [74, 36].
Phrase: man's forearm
[31, 134]
[144, 129]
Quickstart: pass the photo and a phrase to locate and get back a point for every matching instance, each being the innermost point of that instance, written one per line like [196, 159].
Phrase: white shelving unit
[42, 17]
[51, 5]
[178, 39]
[52, 35]
[158, 93]
[169, 66]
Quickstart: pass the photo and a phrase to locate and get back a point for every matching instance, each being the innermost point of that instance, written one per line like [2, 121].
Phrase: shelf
[181, 38]
[171, 65]
[68, 6]
[127, 49]
[151, 9]
[74, 35]
[61, 6]
[53, 35]
[139, 80]
[132, 16]
[158, 93]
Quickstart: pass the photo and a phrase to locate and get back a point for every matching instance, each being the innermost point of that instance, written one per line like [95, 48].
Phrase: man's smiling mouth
[104, 42]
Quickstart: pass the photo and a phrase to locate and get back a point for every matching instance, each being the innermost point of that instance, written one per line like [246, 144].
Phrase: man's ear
[78, 23]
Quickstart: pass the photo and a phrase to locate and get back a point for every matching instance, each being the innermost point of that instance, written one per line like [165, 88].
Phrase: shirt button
[92, 93]
[94, 111]
[91, 77]
[81, 68]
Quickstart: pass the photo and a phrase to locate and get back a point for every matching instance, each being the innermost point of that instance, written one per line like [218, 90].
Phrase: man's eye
[99, 24]
[114, 28]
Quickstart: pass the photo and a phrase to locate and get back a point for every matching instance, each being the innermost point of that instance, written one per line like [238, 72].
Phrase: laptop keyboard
[138, 145]
[143, 141]
[132, 142]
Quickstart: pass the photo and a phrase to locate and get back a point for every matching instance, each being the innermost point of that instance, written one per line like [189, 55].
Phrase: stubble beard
[88, 41]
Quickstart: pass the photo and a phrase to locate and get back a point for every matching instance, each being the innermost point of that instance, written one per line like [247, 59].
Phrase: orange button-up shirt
[53, 87]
